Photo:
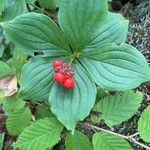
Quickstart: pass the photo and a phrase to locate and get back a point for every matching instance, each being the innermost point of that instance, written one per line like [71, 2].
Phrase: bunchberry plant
[72, 61]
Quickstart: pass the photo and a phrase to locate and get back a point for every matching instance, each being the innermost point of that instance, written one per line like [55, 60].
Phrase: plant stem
[107, 131]
[129, 138]
[72, 59]
[38, 8]
[42, 104]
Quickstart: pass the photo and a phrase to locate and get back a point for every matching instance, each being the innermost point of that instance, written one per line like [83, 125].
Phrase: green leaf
[49, 3]
[77, 141]
[101, 93]
[114, 30]
[116, 68]
[42, 134]
[18, 120]
[2, 48]
[105, 141]
[1, 30]
[30, 1]
[79, 19]
[39, 72]
[17, 61]
[12, 103]
[42, 112]
[71, 106]
[2, 6]
[4, 69]
[1, 140]
[95, 118]
[118, 108]
[13, 8]
[34, 32]
[144, 125]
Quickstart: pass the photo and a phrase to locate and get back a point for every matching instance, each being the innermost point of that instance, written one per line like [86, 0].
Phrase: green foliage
[101, 93]
[2, 6]
[49, 3]
[116, 68]
[1, 31]
[144, 125]
[11, 104]
[95, 118]
[36, 32]
[18, 120]
[39, 72]
[1, 140]
[92, 41]
[17, 61]
[12, 9]
[42, 112]
[118, 108]
[105, 141]
[71, 106]
[5, 70]
[114, 30]
[77, 26]
[30, 1]
[42, 134]
[1, 50]
[78, 141]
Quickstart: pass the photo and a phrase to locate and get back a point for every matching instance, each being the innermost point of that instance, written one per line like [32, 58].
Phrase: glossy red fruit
[69, 83]
[59, 77]
[57, 63]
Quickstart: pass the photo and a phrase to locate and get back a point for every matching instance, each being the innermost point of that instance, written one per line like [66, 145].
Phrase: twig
[126, 7]
[135, 134]
[129, 138]
[140, 144]
[107, 131]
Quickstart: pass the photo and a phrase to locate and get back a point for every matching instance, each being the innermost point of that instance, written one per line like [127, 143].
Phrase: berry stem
[72, 59]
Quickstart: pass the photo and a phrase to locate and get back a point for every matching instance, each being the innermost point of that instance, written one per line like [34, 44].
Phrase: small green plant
[74, 65]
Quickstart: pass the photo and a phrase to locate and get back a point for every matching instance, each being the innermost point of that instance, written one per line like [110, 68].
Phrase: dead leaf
[8, 85]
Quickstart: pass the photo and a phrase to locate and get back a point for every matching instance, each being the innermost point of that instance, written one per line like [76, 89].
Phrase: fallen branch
[129, 138]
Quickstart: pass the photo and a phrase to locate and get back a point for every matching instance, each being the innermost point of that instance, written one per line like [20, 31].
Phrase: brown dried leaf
[8, 85]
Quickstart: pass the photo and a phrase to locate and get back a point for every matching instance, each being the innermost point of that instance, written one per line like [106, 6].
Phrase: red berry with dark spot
[59, 77]
[57, 63]
[69, 83]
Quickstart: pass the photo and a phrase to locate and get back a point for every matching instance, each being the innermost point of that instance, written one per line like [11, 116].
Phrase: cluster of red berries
[64, 74]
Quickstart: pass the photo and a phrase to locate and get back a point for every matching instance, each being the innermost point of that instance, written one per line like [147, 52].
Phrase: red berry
[59, 77]
[57, 63]
[69, 83]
